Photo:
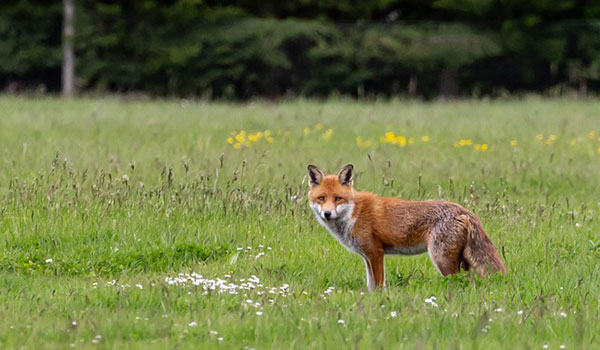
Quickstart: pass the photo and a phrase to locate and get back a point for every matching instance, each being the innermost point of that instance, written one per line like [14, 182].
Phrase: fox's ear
[346, 175]
[315, 175]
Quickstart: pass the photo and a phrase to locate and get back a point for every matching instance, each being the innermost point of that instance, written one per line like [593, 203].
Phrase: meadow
[178, 224]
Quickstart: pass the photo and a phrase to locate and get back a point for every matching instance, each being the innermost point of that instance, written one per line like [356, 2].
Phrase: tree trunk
[448, 84]
[68, 66]
[412, 86]
[582, 88]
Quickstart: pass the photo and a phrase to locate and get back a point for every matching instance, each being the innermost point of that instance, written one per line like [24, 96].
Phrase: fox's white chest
[341, 227]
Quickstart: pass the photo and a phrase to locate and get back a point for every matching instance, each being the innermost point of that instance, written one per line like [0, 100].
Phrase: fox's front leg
[370, 276]
[375, 270]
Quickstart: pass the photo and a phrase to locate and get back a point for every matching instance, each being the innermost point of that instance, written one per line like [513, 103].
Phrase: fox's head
[331, 196]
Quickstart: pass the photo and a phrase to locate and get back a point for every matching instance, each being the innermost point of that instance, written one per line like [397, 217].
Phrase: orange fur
[452, 235]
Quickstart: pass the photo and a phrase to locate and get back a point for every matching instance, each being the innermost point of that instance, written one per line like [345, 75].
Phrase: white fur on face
[316, 207]
[342, 210]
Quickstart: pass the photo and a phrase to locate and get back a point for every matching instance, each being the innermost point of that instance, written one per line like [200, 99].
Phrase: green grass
[124, 193]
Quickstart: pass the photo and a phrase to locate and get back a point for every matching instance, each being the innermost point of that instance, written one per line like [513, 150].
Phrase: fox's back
[401, 222]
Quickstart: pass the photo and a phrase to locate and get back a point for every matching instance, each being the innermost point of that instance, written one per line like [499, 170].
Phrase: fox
[373, 226]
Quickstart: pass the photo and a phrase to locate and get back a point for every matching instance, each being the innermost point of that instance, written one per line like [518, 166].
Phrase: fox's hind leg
[445, 247]
[464, 263]
[445, 262]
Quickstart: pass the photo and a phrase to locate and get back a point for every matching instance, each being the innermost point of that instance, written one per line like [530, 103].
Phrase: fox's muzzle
[328, 215]
[324, 214]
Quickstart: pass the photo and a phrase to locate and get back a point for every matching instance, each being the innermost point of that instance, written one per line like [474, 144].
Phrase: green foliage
[30, 34]
[378, 58]
[241, 49]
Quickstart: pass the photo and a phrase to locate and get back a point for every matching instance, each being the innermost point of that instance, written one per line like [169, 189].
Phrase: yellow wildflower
[513, 143]
[267, 133]
[539, 137]
[484, 147]
[573, 142]
[411, 140]
[390, 137]
[425, 138]
[237, 145]
[270, 139]
[592, 134]
[259, 135]
[401, 140]
[241, 136]
[477, 147]
[306, 130]
[230, 140]
[552, 137]
[327, 134]
[319, 127]
[252, 138]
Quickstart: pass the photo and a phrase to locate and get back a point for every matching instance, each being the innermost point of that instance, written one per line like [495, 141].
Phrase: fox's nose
[327, 214]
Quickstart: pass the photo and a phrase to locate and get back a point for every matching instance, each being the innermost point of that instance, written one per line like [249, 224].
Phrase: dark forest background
[243, 49]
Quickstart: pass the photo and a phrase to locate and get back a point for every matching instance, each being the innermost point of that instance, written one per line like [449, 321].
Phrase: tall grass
[103, 200]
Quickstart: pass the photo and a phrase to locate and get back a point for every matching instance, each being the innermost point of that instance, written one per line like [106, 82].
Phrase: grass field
[185, 225]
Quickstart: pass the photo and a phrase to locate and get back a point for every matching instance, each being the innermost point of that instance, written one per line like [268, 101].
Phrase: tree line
[242, 49]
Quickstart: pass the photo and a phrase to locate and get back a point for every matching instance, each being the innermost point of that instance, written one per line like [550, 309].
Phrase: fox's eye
[321, 198]
[337, 199]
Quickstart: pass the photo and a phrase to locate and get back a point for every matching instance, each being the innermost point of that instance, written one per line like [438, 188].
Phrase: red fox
[373, 226]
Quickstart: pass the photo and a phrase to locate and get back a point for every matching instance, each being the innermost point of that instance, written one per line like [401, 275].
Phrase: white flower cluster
[228, 285]
[431, 301]
[329, 290]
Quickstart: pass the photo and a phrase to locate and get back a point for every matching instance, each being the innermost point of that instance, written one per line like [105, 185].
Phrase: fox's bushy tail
[479, 251]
